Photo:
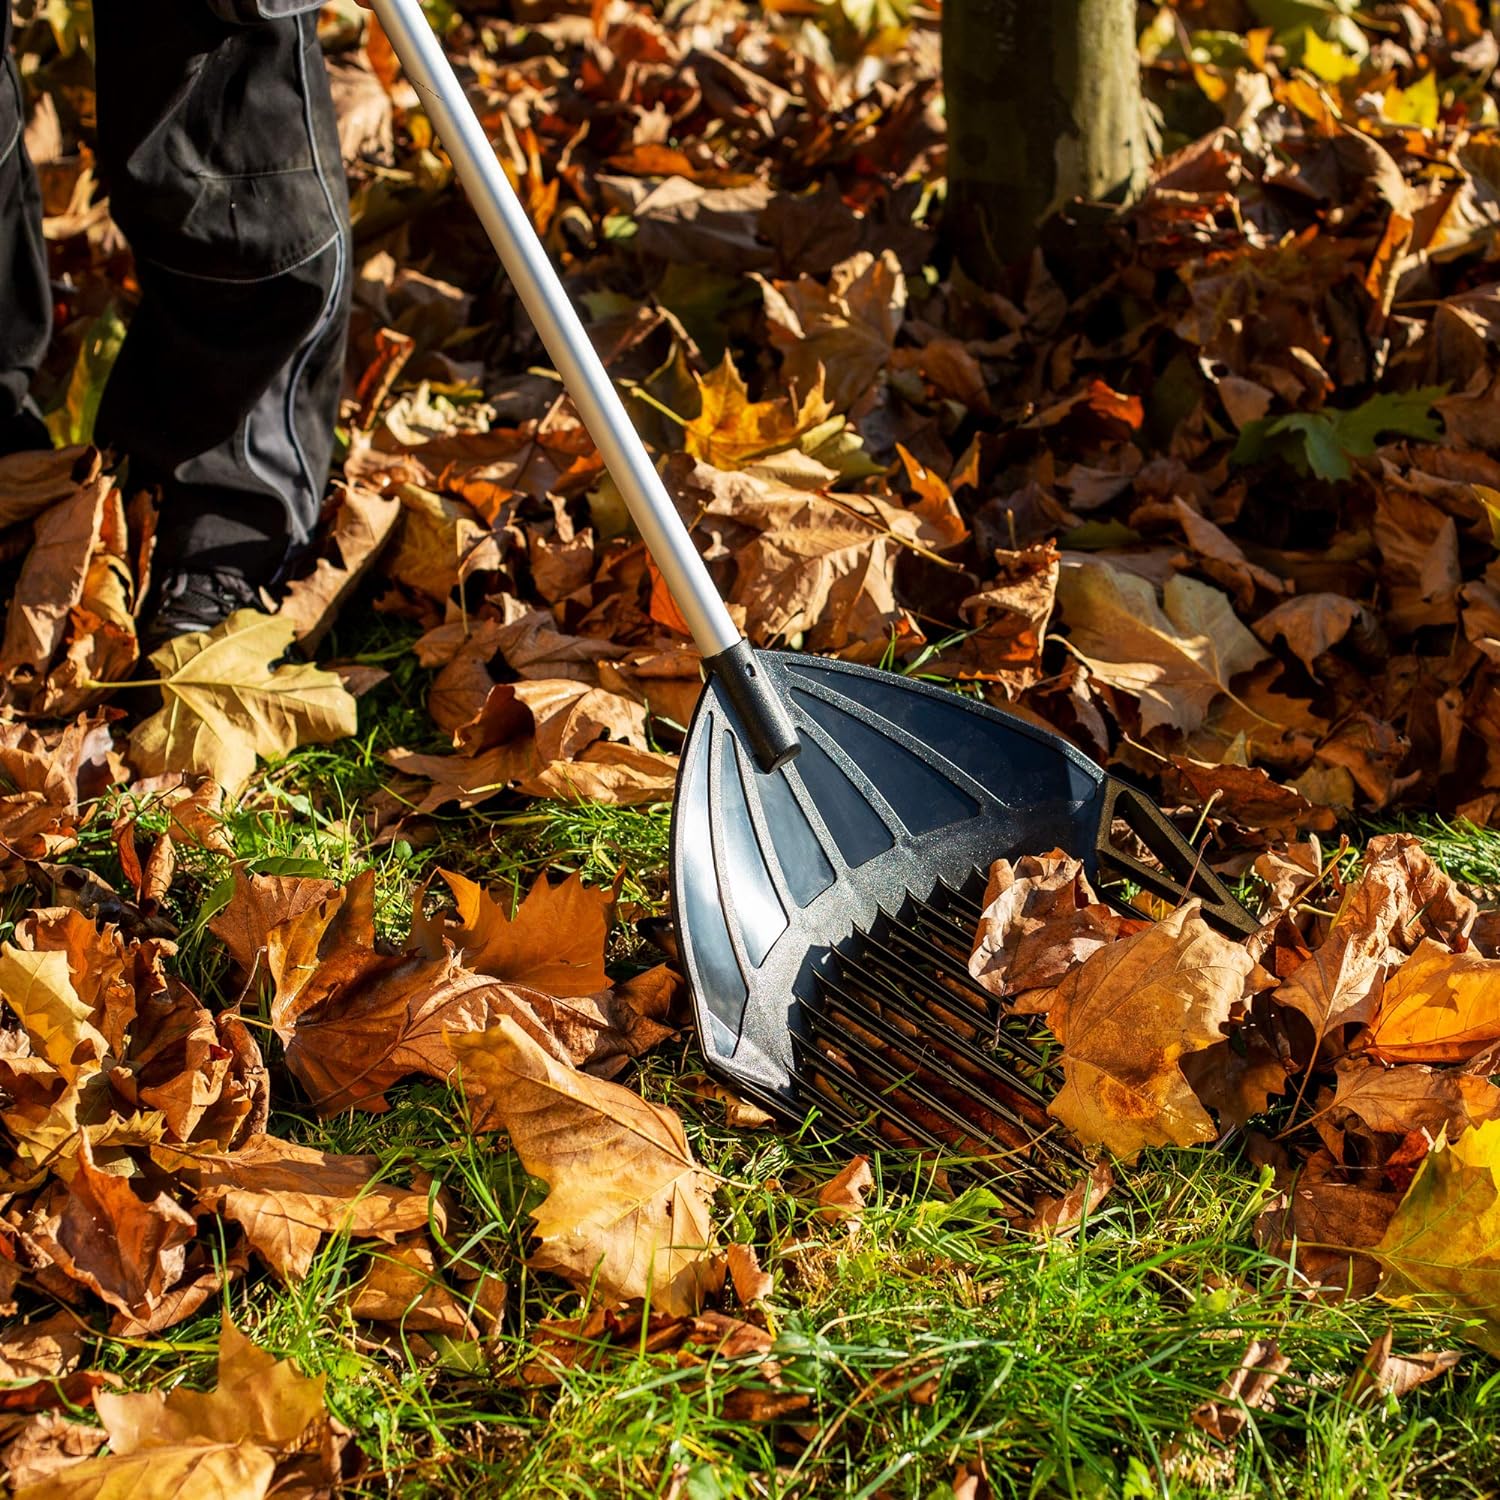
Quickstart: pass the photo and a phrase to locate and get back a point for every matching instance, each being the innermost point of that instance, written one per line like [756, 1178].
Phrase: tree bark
[1044, 106]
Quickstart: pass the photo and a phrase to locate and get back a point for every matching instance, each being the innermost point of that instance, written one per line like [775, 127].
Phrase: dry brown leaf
[1176, 657]
[1247, 1390]
[224, 704]
[355, 1020]
[1312, 624]
[1383, 1373]
[627, 1213]
[404, 1287]
[286, 1197]
[361, 526]
[226, 1442]
[1040, 920]
[43, 1445]
[127, 1248]
[32, 482]
[1127, 1016]
[842, 1197]
[260, 903]
[53, 578]
[40, 1348]
[554, 941]
[1413, 1097]
[751, 1283]
[1438, 1007]
[39, 790]
[440, 543]
[842, 332]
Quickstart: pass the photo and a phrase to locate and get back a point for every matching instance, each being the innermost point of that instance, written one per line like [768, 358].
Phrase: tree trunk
[1044, 106]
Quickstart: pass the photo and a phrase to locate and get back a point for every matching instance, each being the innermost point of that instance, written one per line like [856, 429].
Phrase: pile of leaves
[1371, 1032]
[1218, 501]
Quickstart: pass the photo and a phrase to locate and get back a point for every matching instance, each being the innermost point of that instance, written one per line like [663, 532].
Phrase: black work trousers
[219, 151]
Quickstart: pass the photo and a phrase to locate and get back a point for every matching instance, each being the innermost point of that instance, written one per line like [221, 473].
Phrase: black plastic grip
[757, 703]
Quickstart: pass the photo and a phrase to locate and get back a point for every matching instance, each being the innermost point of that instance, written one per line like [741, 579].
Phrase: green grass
[1071, 1365]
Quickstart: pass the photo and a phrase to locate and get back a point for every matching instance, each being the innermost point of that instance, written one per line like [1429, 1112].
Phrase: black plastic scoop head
[825, 909]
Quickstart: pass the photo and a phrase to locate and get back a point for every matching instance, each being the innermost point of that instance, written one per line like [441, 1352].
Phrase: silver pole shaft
[562, 333]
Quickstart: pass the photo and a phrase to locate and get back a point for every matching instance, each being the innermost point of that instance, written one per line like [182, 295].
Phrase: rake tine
[1044, 1138]
[909, 1134]
[1002, 1159]
[914, 982]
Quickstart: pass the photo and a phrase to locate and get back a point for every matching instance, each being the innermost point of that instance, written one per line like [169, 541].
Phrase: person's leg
[25, 297]
[219, 149]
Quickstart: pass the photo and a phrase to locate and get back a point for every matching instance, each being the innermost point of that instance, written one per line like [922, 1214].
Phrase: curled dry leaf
[1248, 1389]
[1412, 1097]
[627, 1212]
[1384, 1373]
[405, 1287]
[751, 1283]
[40, 791]
[1127, 1016]
[1040, 920]
[128, 1246]
[260, 903]
[842, 332]
[362, 524]
[842, 1198]
[355, 1019]
[225, 704]
[286, 1197]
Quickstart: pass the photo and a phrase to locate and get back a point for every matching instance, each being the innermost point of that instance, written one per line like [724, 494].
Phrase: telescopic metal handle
[772, 734]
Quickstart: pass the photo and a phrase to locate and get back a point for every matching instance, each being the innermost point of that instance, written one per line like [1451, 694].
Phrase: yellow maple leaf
[731, 430]
[224, 704]
[1442, 1246]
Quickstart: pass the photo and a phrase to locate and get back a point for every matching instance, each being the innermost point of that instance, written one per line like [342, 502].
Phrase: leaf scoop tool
[834, 824]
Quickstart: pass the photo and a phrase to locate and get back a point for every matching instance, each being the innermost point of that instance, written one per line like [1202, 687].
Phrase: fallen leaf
[627, 1212]
[1126, 1017]
[842, 1197]
[361, 526]
[1040, 920]
[1247, 1390]
[554, 941]
[1383, 1373]
[229, 1441]
[1175, 662]
[1438, 1007]
[224, 704]
[1312, 624]
[751, 1283]
[260, 903]
[731, 431]
[405, 1288]
[354, 1020]
[1413, 1097]
[286, 1197]
[127, 1248]
[1441, 1249]
[841, 333]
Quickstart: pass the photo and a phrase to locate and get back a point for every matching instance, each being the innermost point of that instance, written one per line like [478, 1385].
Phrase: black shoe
[24, 433]
[196, 599]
